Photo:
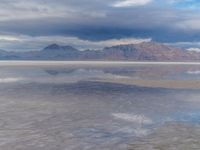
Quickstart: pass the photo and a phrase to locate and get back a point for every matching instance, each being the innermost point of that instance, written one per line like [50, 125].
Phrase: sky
[27, 25]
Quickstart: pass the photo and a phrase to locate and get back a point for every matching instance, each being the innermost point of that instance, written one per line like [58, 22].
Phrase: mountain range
[146, 51]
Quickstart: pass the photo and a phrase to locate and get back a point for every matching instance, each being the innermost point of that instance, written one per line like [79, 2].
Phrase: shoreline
[87, 63]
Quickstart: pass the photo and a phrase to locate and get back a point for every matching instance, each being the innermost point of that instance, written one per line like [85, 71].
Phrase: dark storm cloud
[97, 20]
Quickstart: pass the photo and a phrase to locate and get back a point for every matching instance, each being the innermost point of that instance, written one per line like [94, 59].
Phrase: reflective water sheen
[67, 107]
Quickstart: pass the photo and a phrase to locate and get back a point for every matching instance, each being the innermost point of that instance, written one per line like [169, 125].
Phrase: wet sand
[172, 136]
[172, 84]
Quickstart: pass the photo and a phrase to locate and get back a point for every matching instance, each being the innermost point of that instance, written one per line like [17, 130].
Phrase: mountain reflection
[48, 108]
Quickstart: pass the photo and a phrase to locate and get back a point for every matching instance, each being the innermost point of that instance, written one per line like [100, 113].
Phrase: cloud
[189, 24]
[127, 3]
[89, 22]
[106, 23]
[185, 4]
[185, 45]
[15, 10]
[8, 38]
[24, 42]
[9, 80]
[194, 49]
[138, 119]
[197, 72]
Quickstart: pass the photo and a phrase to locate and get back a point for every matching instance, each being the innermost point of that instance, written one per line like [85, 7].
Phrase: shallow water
[67, 107]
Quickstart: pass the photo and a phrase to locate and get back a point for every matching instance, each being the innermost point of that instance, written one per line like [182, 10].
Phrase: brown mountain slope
[149, 51]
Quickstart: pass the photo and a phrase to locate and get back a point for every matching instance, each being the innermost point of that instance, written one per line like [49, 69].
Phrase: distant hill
[146, 51]
[149, 51]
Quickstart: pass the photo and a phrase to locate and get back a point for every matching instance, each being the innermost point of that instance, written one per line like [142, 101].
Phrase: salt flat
[89, 63]
[94, 106]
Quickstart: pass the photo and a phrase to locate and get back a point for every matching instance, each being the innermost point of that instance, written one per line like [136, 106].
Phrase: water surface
[73, 107]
